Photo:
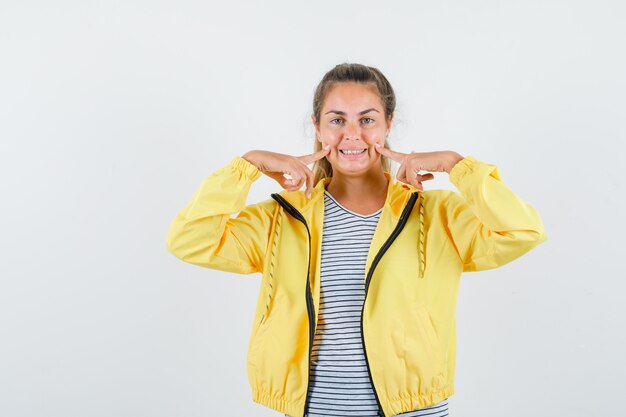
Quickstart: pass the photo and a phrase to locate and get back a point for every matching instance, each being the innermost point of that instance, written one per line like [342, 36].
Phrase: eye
[332, 121]
[370, 120]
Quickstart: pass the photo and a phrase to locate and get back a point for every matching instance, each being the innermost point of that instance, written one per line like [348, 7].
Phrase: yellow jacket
[422, 244]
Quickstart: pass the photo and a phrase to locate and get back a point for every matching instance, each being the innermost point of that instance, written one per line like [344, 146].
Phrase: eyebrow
[344, 113]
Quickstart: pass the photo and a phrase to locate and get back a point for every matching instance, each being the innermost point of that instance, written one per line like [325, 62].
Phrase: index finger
[307, 159]
[396, 156]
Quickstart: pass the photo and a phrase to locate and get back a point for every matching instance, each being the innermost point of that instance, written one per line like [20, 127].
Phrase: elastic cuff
[247, 168]
[461, 168]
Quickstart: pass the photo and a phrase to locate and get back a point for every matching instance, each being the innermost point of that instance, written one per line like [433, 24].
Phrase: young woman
[356, 309]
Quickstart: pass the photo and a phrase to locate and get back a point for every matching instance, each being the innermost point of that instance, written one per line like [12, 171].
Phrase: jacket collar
[398, 194]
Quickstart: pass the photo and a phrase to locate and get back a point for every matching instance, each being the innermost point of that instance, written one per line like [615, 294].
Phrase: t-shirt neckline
[350, 211]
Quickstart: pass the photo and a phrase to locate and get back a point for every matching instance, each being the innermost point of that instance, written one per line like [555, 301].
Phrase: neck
[369, 186]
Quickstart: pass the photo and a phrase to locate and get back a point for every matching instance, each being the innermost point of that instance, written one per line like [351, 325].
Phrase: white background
[111, 114]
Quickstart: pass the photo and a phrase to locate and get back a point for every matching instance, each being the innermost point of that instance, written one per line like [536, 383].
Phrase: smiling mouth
[352, 151]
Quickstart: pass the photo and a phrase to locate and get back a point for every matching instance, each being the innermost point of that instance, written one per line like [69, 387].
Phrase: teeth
[352, 152]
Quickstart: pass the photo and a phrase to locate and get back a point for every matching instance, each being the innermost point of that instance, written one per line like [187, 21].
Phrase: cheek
[373, 134]
[330, 138]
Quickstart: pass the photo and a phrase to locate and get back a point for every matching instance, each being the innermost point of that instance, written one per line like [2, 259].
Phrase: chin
[347, 169]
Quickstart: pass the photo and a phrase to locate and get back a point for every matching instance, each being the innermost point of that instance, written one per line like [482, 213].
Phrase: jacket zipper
[401, 222]
[309, 297]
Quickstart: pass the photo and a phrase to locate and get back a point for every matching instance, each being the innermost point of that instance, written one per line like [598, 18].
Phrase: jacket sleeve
[489, 224]
[204, 233]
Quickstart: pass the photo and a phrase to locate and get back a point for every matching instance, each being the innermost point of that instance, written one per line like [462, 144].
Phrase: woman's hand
[412, 163]
[289, 171]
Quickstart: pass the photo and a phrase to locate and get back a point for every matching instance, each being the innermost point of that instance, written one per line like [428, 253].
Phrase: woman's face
[352, 119]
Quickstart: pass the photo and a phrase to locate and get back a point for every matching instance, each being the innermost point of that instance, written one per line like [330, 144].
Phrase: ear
[389, 120]
[317, 128]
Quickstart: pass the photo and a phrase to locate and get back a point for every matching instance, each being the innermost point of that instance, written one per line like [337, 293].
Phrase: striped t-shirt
[339, 384]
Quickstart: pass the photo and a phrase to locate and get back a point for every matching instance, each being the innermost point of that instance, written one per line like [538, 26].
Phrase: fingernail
[377, 145]
[327, 147]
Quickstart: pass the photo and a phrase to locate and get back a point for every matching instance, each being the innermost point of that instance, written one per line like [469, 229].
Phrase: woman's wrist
[454, 158]
[250, 157]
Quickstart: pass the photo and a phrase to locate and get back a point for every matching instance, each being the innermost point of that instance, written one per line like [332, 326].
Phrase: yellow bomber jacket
[423, 242]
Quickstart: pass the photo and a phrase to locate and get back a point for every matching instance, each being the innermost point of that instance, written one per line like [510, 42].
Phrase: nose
[352, 130]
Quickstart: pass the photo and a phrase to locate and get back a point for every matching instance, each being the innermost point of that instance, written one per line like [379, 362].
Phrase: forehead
[352, 97]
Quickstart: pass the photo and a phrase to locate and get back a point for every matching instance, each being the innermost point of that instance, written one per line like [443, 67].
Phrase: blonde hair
[351, 73]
